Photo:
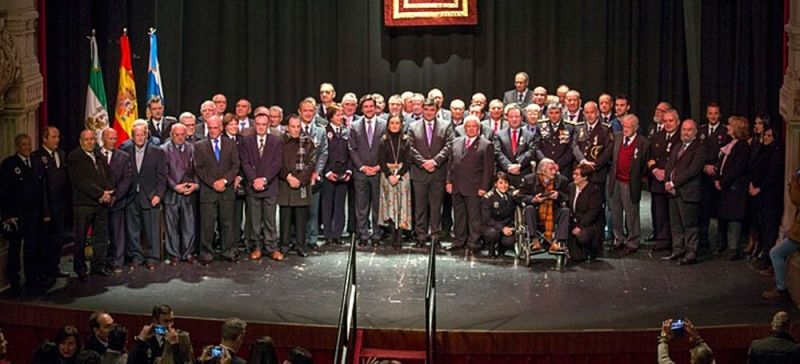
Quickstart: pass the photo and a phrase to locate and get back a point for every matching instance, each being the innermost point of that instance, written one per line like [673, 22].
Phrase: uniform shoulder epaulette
[570, 122]
[171, 118]
[543, 121]
[515, 192]
[607, 125]
[488, 194]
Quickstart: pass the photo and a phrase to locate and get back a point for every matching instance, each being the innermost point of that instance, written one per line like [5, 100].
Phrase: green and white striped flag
[96, 104]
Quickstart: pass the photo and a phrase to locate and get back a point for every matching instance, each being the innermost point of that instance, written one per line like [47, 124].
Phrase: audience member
[100, 324]
[783, 250]
[299, 355]
[263, 351]
[777, 348]
[149, 344]
[63, 349]
[117, 339]
[699, 352]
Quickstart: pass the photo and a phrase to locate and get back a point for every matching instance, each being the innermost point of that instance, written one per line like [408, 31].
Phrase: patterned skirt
[395, 202]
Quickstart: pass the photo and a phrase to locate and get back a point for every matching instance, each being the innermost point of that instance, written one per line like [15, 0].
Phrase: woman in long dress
[395, 201]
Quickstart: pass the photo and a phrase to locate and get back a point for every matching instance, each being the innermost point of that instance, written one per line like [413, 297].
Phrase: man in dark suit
[179, 197]
[230, 126]
[628, 167]
[521, 94]
[606, 109]
[207, 108]
[712, 136]
[544, 197]
[469, 177]
[586, 215]
[54, 161]
[495, 122]
[216, 163]
[684, 173]
[91, 195]
[558, 141]
[431, 148]
[100, 325]
[438, 98]
[159, 125]
[661, 145]
[327, 93]
[595, 141]
[243, 121]
[23, 205]
[261, 156]
[142, 216]
[513, 147]
[337, 173]
[364, 145]
[120, 167]
[149, 346]
[572, 111]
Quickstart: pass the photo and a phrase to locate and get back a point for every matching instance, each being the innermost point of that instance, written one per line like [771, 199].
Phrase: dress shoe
[731, 255]
[776, 295]
[313, 247]
[536, 246]
[650, 238]
[376, 243]
[151, 266]
[83, 277]
[455, 248]
[362, 243]
[62, 274]
[276, 256]
[767, 272]
[189, 260]
[591, 258]
[686, 261]
[628, 251]
[419, 244]
[300, 251]
[255, 254]
[101, 272]
[555, 247]
[117, 270]
[233, 260]
[173, 261]
[673, 256]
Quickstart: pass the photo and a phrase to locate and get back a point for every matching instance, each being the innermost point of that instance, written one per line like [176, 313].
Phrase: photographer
[699, 353]
[785, 248]
[149, 344]
[233, 331]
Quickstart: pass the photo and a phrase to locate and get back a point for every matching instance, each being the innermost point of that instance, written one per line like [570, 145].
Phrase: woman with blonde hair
[732, 182]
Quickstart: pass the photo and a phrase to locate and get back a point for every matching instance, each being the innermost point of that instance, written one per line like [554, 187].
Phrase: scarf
[546, 208]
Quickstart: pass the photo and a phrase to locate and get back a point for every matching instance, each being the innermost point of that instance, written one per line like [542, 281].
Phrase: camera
[677, 328]
[216, 351]
[160, 329]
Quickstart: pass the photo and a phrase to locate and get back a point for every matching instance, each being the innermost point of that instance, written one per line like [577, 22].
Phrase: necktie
[370, 133]
[589, 129]
[711, 129]
[158, 126]
[685, 146]
[494, 127]
[627, 141]
[242, 125]
[55, 158]
[27, 162]
[514, 141]
[467, 143]
[216, 149]
[180, 147]
[94, 160]
[520, 97]
[260, 146]
[139, 157]
[429, 127]
[107, 156]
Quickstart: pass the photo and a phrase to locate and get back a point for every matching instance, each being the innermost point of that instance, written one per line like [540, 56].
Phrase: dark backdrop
[279, 51]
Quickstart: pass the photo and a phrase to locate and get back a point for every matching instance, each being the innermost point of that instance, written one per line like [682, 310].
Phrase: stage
[484, 294]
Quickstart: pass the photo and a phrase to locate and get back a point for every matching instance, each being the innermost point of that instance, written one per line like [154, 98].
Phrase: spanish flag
[126, 111]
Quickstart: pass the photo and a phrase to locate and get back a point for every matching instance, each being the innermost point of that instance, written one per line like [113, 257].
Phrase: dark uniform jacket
[498, 212]
[23, 192]
[660, 150]
[558, 144]
[596, 147]
[57, 177]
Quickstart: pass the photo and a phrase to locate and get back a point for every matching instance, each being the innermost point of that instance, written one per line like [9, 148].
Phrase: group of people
[159, 341]
[383, 170]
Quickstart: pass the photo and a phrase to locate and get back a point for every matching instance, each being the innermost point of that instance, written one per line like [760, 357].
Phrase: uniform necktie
[514, 142]
[216, 149]
[28, 162]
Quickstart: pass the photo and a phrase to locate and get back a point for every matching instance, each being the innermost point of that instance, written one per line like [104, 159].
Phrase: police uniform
[661, 146]
[596, 145]
[558, 144]
[58, 190]
[23, 196]
[709, 196]
[497, 212]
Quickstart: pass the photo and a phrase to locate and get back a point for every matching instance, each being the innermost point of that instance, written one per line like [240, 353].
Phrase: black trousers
[659, 207]
[495, 238]
[212, 213]
[427, 208]
[116, 228]
[467, 222]
[53, 239]
[293, 218]
[332, 206]
[29, 233]
[83, 218]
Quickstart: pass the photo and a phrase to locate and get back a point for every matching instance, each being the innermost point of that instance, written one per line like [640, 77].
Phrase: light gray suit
[317, 134]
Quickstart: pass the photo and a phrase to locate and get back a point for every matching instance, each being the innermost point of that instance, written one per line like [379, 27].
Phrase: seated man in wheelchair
[497, 214]
[586, 220]
[543, 196]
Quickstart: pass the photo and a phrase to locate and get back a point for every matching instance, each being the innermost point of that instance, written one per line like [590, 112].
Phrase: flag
[125, 112]
[153, 70]
[96, 104]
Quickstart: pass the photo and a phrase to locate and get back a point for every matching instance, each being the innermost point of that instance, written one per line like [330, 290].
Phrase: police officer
[558, 142]
[661, 145]
[54, 160]
[23, 202]
[497, 213]
[595, 141]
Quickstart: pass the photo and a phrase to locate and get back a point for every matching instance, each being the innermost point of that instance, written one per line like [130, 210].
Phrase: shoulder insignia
[515, 192]
[570, 122]
[488, 194]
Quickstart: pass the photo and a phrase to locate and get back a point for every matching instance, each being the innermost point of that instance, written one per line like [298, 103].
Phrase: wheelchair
[525, 237]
